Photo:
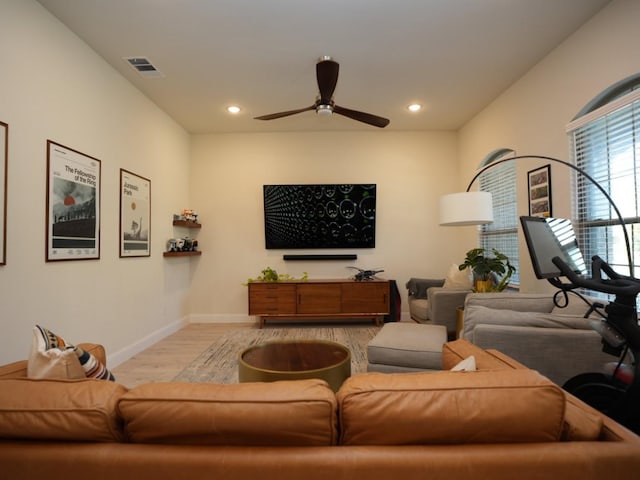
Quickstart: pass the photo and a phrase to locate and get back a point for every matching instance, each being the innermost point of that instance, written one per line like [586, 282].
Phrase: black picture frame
[73, 204]
[539, 182]
[135, 215]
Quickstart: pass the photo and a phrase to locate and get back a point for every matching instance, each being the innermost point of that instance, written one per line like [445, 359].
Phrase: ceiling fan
[327, 75]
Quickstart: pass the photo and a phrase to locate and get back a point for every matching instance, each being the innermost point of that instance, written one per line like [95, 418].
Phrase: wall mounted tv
[320, 216]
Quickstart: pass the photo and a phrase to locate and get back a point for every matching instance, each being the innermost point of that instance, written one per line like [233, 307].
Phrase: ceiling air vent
[143, 66]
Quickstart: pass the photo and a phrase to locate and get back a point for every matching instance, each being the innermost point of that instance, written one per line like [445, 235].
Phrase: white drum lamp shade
[466, 208]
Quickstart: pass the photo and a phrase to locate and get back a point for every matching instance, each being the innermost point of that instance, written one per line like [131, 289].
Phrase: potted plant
[491, 273]
[270, 275]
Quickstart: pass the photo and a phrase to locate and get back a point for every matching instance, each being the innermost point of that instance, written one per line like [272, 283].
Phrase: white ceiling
[452, 56]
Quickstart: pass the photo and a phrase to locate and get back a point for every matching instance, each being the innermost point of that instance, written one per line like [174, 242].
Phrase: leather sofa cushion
[70, 410]
[285, 413]
[501, 406]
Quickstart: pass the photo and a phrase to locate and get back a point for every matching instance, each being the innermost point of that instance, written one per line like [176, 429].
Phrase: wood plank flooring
[165, 359]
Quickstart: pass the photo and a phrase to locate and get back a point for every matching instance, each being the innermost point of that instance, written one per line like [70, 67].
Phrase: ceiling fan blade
[327, 75]
[273, 116]
[374, 120]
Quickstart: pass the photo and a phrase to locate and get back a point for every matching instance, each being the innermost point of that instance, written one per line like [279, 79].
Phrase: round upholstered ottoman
[406, 347]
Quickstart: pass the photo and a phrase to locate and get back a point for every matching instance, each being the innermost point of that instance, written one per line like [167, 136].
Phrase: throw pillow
[52, 356]
[466, 365]
[93, 368]
[457, 278]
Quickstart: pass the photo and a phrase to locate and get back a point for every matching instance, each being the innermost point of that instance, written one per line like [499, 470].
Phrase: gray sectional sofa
[557, 342]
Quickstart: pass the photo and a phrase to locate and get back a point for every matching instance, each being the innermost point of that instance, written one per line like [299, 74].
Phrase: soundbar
[347, 256]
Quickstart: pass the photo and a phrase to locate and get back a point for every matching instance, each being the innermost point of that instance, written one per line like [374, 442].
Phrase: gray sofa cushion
[419, 308]
[546, 349]
[525, 302]
[479, 315]
[411, 345]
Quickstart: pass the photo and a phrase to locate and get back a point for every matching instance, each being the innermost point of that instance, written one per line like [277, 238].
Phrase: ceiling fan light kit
[324, 110]
[327, 76]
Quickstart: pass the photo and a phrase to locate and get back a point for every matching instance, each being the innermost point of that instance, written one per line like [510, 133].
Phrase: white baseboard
[221, 318]
[241, 318]
[115, 359]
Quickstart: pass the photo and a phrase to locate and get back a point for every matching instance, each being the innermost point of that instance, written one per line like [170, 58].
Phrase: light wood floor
[167, 358]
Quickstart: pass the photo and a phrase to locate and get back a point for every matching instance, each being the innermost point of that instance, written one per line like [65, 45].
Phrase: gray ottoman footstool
[406, 347]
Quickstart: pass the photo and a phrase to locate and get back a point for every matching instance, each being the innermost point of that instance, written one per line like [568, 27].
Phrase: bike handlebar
[616, 284]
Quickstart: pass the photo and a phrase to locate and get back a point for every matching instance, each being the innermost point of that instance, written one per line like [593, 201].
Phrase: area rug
[219, 362]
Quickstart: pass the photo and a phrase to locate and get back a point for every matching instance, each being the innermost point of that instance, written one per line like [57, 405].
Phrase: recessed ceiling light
[233, 109]
[414, 107]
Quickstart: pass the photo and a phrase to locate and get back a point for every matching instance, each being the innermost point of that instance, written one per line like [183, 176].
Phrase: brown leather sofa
[501, 422]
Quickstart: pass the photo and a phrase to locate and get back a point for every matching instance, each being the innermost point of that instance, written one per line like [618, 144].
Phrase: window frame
[604, 141]
[501, 235]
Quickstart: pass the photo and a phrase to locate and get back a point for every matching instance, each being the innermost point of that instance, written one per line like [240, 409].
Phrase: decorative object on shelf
[183, 246]
[187, 215]
[539, 181]
[270, 275]
[491, 273]
[365, 275]
[4, 155]
[73, 204]
[135, 215]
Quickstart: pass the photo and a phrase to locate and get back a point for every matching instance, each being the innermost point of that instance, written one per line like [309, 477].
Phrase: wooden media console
[319, 299]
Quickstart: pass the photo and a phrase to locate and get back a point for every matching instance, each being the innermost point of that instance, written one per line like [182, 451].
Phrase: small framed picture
[73, 204]
[135, 215]
[540, 192]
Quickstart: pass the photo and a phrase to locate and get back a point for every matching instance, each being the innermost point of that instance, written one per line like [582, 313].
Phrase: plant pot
[484, 286]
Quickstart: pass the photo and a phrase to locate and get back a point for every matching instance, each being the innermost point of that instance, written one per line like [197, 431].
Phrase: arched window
[502, 234]
[605, 142]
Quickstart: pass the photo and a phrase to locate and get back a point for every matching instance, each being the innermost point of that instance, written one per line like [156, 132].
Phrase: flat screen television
[320, 216]
[548, 238]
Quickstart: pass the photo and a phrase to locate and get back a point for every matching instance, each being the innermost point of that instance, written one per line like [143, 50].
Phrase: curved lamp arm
[581, 172]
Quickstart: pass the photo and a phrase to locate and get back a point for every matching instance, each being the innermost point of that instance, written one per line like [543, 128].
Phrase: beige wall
[531, 116]
[411, 171]
[54, 87]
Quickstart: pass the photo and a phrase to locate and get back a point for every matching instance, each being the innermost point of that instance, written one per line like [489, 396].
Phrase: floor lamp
[476, 208]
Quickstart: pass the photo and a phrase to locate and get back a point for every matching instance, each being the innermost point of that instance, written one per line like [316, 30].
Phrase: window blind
[502, 234]
[606, 144]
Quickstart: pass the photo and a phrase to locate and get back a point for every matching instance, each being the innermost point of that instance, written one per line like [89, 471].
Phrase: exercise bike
[616, 393]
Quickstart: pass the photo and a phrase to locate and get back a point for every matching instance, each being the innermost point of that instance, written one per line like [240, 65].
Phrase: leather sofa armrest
[96, 350]
[418, 287]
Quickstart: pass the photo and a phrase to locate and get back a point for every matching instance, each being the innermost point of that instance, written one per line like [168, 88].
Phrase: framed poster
[135, 215]
[73, 204]
[540, 192]
[4, 161]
